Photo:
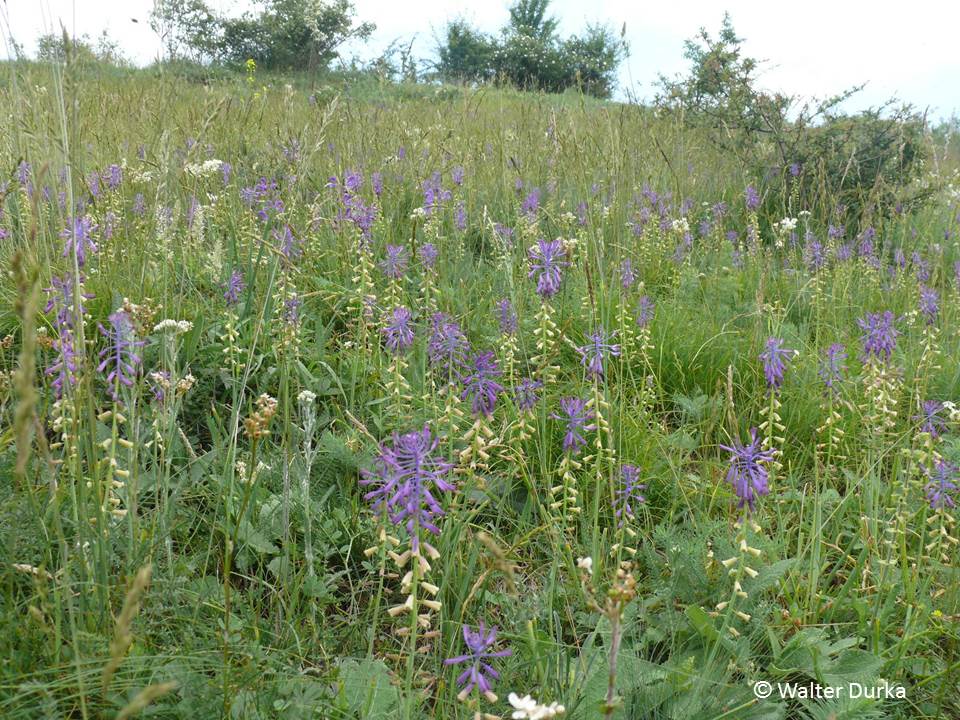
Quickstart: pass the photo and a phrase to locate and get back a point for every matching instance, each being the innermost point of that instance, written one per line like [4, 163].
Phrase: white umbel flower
[526, 708]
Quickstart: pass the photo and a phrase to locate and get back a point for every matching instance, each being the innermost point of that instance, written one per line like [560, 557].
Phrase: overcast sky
[815, 48]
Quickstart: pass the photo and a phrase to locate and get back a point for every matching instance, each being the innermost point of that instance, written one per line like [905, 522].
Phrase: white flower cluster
[175, 326]
[952, 409]
[787, 225]
[141, 176]
[529, 709]
[681, 225]
[306, 397]
[204, 169]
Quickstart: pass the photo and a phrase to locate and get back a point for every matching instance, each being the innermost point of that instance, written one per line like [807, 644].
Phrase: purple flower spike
[447, 347]
[628, 494]
[233, 287]
[480, 386]
[479, 673]
[832, 367]
[119, 358]
[577, 417]
[547, 258]
[507, 317]
[408, 476]
[774, 359]
[645, 315]
[398, 332]
[596, 351]
[628, 276]
[880, 336]
[394, 266]
[531, 204]
[288, 244]
[941, 488]
[428, 255]
[751, 198]
[525, 394]
[929, 304]
[930, 419]
[79, 240]
[61, 302]
[747, 473]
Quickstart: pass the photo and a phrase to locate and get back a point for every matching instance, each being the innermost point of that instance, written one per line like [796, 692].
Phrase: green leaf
[365, 686]
[248, 535]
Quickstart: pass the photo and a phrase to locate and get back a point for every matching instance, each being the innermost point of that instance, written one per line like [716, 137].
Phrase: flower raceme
[879, 336]
[479, 673]
[942, 488]
[547, 260]
[480, 385]
[119, 359]
[577, 417]
[398, 332]
[407, 478]
[774, 358]
[593, 354]
[628, 494]
[747, 473]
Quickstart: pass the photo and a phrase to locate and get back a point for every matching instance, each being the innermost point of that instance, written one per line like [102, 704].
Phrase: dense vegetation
[683, 411]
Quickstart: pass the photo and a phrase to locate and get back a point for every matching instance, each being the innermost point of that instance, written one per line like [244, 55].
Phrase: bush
[847, 167]
[529, 55]
[285, 35]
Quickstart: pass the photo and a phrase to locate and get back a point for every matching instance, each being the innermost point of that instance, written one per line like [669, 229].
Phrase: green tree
[529, 18]
[529, 54]
[292, 34]
[187, 28]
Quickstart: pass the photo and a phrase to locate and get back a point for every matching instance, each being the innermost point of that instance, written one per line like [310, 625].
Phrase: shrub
[529, 55]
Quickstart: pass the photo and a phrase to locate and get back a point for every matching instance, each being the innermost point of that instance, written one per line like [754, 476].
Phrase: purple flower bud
[941, 488]
[119, 358]
[547, 258]
[929, 304]
[407, 477]
[525, 394]
[428, 255]
[880, 336]
[645, 313]
[398, 332]
[577, 417]
[593, 354]
[479, 673]
[79, 240]
[479, 384]
[930, 420]
[747, 473]
[395, 264]
[774, 358]
[628, 276]
[288, 244]
[233, 287]
[628, 494]
[531, 204]
[447, 346]
[832, 367]
[507, 317]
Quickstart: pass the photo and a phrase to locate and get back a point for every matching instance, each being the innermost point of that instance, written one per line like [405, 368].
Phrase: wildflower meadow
[424, 401]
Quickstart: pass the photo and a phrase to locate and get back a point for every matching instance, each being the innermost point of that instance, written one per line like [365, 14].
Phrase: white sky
[813, 48]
